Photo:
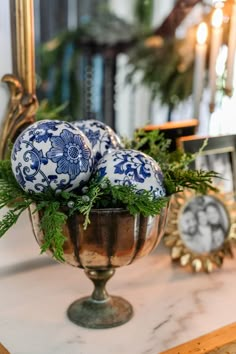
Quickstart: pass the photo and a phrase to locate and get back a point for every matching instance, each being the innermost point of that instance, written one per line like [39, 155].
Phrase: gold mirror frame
[21, 83]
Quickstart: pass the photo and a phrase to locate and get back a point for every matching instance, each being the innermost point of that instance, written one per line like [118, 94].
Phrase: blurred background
[130, 63]
[133, 63]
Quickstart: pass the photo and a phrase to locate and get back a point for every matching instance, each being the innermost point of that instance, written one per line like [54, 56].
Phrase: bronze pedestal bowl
[114, 238]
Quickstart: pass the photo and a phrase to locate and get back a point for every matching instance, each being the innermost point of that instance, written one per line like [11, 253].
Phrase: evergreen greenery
[64, 59]
[47, 110]
[174, 165]
[163, 70]
[51, 224]
[144, 13]
[55, 208]
[165, 64]
[52, 68]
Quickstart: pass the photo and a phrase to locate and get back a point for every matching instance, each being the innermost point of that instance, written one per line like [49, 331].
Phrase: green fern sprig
[86, 202]
[51, 224]
[138, 203]
[55, 208]
[98, 193]
[9, 219]
[174, 165]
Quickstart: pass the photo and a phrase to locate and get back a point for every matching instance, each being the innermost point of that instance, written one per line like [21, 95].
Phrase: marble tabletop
[171, 305]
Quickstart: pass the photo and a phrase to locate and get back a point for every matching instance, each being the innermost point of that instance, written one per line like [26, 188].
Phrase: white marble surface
[171, 305]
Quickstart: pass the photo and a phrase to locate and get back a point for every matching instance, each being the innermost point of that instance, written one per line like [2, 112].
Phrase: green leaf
[54, 208]
[51, 223]
[174, 165]
[9, 220]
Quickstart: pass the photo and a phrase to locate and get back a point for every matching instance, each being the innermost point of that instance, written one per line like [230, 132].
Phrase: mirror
[88, 71]
[21, 78]
[93, 68]
[19, 74]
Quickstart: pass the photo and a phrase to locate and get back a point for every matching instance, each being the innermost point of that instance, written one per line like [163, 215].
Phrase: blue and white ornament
[131, 167]
[51, 154]
[100, 135]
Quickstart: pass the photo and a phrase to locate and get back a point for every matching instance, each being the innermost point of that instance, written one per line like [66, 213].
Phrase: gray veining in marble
[171, 305]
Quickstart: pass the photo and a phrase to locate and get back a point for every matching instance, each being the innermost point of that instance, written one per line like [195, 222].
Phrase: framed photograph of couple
[204, 224]
[202, 228]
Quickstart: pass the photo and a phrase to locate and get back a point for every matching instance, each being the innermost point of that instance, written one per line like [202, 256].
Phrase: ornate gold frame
[23, 102]
[179, 251]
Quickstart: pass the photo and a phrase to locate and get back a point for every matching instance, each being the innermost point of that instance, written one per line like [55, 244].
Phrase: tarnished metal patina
[114, 238]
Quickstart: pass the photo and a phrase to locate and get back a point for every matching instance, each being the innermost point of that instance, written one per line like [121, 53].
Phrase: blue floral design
[41, 132]
[70, 153]
[97, 157]
[102, 172]
[93, 136]
[159, 175]
[99, 124]
[129, 167]
[135, 167]
[19, 175]
[107, 143]
[17, 147]
[36, 157]
[102, 138]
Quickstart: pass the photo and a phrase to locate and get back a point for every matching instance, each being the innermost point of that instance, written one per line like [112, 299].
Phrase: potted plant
[93, 204]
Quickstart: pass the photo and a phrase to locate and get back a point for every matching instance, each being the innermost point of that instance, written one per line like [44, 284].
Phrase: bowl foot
[89, 313]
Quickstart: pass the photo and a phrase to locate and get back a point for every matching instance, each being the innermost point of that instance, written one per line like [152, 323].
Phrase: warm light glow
[217, 18]
[219, 3]
[202, 33]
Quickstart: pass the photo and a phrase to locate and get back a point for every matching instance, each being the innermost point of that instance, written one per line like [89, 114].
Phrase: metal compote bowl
[114, 238]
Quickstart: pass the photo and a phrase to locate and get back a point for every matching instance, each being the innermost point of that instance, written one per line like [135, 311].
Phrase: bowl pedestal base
[100, 310]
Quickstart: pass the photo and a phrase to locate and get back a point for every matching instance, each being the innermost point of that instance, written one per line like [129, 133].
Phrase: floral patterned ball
[130, 167]
[51, 154]
[100, 135]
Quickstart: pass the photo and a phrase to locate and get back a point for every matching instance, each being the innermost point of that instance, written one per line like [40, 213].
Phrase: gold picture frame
[23, 102]
[195, 249]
